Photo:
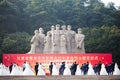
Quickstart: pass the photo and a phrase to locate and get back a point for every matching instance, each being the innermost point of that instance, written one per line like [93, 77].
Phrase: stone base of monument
[60, 77]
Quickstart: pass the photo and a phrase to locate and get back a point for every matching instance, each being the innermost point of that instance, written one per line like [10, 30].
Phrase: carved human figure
[80, 41]
[63, 46]
[63, 31]
[52, 33]
[48, 44]
[56, 40]
[70, 36]
[34, 43]
[41, 37]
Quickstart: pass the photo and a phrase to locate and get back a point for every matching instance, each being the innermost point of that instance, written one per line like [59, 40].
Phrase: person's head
[63, 27]
[11, 63]
[51, 62]
[99, 62]
[69, 27]
[52, 27]
[36, 62]
[75, 62]
[57, 27]
[79, 30]
[54, 63]
[36, 31]
[41, 30]
[87, 62]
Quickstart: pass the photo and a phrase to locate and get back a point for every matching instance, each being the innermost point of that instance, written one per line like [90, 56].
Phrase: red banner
[45, 59]
[58, 58]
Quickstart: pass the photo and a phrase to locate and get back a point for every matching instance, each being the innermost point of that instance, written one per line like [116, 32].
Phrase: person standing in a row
[84, 68]
[62, 67]
[99, 67]
[10, 67]
[73, 68]
[51, 67]
[36, 68]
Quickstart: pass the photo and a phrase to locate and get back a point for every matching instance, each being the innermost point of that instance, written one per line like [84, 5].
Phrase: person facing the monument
[79, 37]
[61, 69]
[41, 37]
[36, 68]
[10, 67]
[51, 67]
[73, 68]
[34, 43]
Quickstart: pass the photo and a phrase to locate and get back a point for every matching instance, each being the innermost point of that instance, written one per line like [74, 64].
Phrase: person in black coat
[51, 67]
[95, 68]
[112, 67]
[36, 68]
[107, 67]
[82, 69]
[62, 67]
[73, 68]
[99, 67]
[10, 67]
[86, 68]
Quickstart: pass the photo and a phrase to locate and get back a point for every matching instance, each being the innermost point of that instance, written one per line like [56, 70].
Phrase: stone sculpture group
[58, 41]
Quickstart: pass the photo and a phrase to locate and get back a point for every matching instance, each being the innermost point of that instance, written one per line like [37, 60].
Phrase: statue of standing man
[56, 40]
[79, 37]
[34, 43]
[70, 36]
[41, 37]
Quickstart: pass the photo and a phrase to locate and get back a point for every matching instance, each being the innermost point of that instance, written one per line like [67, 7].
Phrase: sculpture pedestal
[45, 59]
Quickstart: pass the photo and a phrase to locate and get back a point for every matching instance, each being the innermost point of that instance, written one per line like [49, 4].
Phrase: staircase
[59, 77]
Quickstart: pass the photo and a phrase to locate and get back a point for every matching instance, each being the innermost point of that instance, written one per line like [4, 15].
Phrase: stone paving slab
[59, 77]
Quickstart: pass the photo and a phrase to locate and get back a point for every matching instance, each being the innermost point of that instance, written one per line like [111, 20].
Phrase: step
[60, 77]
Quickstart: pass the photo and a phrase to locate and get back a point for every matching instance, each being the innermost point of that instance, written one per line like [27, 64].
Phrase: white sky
[117, 2]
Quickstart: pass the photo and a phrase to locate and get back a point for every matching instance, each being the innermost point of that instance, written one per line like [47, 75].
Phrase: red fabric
[45, 59]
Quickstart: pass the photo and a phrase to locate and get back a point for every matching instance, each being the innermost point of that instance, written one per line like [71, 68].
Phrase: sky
[117, 2]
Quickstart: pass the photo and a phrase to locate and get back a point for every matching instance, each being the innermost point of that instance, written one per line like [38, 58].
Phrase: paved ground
[59, 77]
